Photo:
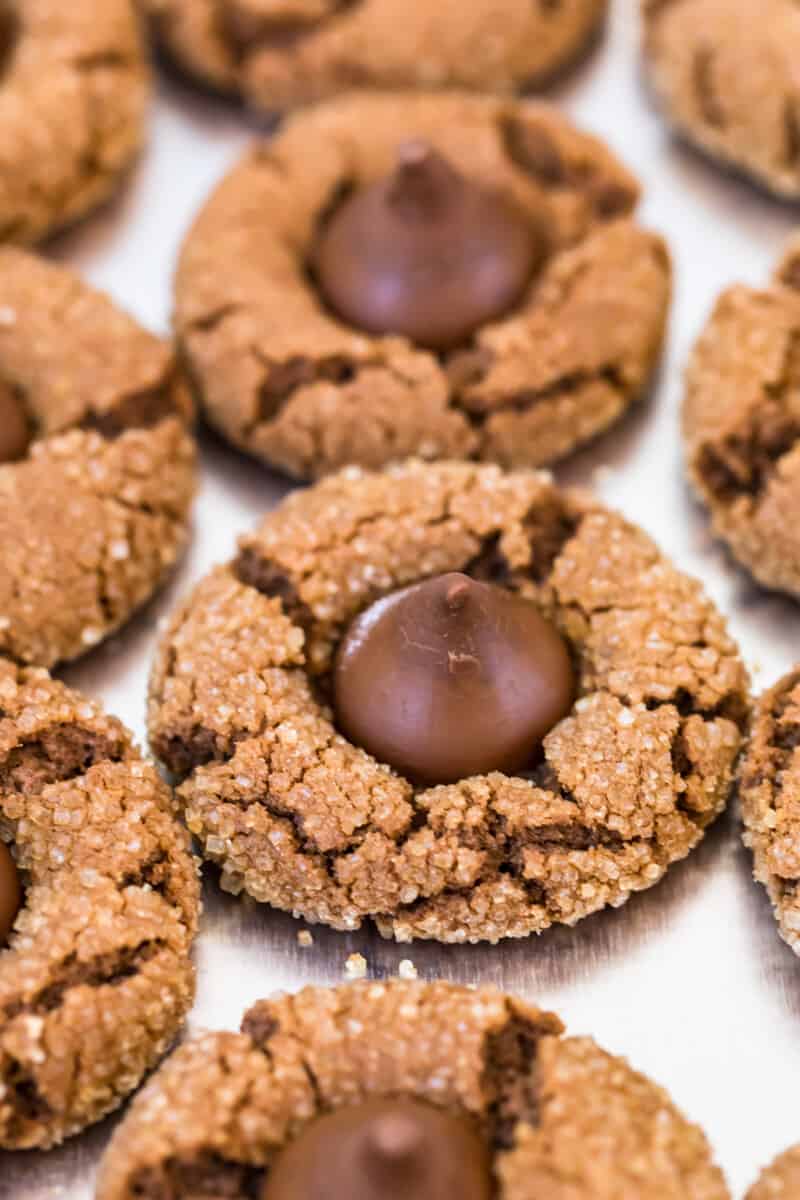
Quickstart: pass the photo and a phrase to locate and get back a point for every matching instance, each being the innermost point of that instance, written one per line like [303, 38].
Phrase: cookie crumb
[304, 938]
[355, 967]
[407, 970]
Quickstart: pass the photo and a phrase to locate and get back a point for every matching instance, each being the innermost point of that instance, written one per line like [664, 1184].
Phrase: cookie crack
[610, 374]
[248, 33]
[103, 970]
[743, 464]
[510, 1077]
[60, 754]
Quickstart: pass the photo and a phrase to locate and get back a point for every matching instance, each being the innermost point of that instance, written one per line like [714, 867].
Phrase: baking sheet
[689, 980]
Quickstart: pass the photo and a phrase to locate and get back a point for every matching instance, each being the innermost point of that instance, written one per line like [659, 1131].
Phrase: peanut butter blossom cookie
[459, 703]
[741, 424]
[769, 787]
[73, 92]
[382, 1091]
[97, 466]
[442, 275]
[280, 54]
[98, 909]
[725, 72]
[780, 1180]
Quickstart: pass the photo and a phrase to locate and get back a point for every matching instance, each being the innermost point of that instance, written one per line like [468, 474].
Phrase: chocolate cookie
[97, 466]
[277, 55]
[73, 91]
[741, 424]
[780, 1180]
[286, 380]
[725, 73]
[769, 787]
[245, 706]
[96, 977]
[393, 1062]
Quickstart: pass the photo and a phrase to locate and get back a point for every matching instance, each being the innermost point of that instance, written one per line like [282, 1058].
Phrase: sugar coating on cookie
[284, 380]
[302, 819]
[725, 71]
[96, 978]
[741, 424]
[769, 788]
[277, 56]
[780, 1180]
[74, 87]
[95, 513]
[558, 1113]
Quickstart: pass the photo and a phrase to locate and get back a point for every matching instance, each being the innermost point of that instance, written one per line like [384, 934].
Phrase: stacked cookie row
[423, 424]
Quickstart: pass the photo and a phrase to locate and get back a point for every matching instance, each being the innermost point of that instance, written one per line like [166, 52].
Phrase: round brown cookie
[97, 977]
[780, 1180]
[285, 381]
[304, 820]
[73, 92]
[560, 1117]
[95, 513]
[741, 424]
[769, 788]
[278, 55]
[726, 75]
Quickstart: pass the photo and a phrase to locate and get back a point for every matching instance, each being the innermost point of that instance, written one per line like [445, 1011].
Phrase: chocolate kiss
[426, 254]
[10, 893]
[383, 1150]
[15, 432]
[451, 678]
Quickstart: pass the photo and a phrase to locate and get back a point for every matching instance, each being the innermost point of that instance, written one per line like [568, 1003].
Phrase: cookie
[97, 466]
[741, 424]
[74, 88]
[558, 1115]
[724, 71]
[284, 380]
[779, 1181]
[96, 977]
[769, 787]
[241, 706]
[276, 56]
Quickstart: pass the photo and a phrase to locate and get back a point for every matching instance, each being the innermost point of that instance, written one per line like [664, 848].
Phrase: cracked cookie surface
[279, 55]
[97, 977]
[283, 380]
[95, 515]
[561, 1117]
[73, 92]
[769, 790]
[741, 424]
[725, 72]
[301, 819]
[780, 1180]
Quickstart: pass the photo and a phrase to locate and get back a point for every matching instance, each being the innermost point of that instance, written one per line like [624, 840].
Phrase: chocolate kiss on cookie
[451, 678]
[427, 253]
[10, 893]
[383, 1150]
[15, 434]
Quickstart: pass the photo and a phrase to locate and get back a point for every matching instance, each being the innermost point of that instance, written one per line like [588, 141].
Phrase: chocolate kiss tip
[458, 593]
[395, 1137]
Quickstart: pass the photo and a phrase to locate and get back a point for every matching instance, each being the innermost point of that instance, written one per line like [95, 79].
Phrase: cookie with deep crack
[724, 71]
[741, 424]
[96, 977]
[278, 56]
[520, 377]
[74, 87]
[97, 464]
[244, 706]
[553, 1115]
[780, 1180]
[769, 789]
